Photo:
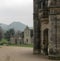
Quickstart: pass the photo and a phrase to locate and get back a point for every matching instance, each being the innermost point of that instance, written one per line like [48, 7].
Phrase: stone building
[16, 39]
[47, 27]
[28, 36]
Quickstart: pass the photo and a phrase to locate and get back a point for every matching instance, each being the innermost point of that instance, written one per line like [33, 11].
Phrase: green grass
[22, 45]
[5, 42]
[29, 45]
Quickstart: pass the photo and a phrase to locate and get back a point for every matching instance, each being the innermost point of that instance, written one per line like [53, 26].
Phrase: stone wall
[51, 12]
[54, 33]
[37, 41]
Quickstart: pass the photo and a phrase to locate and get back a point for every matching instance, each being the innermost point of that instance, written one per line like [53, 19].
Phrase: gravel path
[19, 54]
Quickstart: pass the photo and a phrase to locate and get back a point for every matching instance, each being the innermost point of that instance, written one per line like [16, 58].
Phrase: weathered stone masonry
[47, 27]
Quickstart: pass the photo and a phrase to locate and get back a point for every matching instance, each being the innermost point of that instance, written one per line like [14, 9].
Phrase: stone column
[36, 28]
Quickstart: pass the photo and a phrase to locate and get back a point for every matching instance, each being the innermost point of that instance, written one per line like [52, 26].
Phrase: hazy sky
[16, 10]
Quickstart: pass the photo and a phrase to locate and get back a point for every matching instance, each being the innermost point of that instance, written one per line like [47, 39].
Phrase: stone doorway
[45, 41]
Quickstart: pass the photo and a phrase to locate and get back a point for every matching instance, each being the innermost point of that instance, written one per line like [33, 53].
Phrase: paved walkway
[19, 54]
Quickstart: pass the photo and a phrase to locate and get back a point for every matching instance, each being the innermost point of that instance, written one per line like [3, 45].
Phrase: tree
[1, 33]
[12, 32]
[3, 41]
[9, 33]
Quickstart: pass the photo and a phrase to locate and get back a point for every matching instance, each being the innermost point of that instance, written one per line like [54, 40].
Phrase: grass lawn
[22, 45]
[5, 42]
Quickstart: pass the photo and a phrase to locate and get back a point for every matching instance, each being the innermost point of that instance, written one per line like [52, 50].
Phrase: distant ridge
[15, 25]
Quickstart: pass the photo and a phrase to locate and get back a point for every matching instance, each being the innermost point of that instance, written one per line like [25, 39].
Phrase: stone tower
[47, 27]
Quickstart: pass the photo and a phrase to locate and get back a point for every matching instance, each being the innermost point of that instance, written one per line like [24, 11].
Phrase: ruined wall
[47, 15]
[54, 30]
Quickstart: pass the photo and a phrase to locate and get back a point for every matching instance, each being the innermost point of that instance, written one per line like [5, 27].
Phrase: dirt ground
[19, 54]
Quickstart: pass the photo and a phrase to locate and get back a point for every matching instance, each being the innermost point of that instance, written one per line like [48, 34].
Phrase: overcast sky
[16, 10]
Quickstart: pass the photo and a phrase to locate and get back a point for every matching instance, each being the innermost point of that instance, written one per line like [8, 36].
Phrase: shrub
[3, 41]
